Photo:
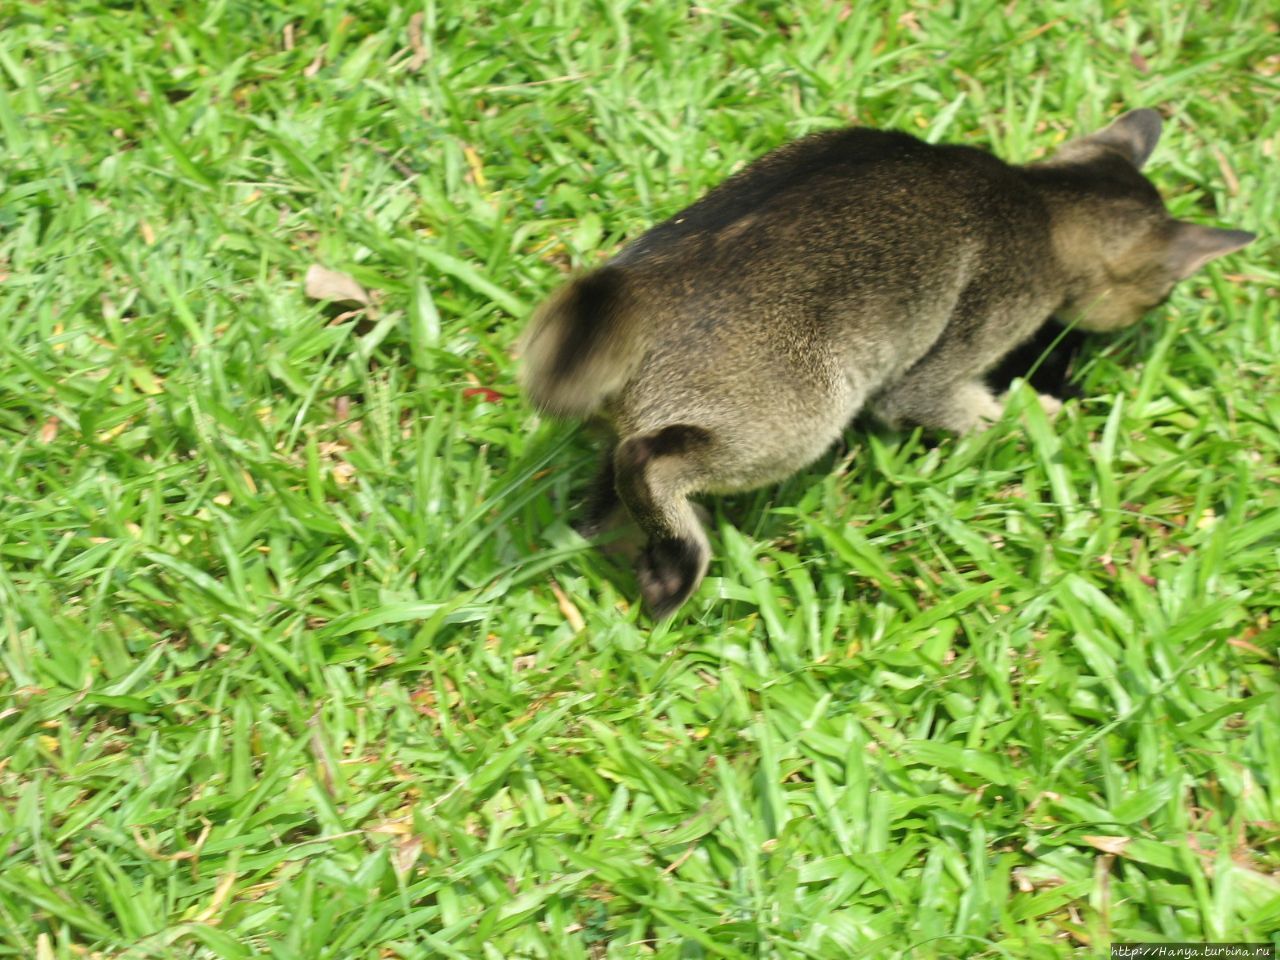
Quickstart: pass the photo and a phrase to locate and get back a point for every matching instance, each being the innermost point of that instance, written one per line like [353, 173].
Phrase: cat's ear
[1193, 245]
[1134, 134]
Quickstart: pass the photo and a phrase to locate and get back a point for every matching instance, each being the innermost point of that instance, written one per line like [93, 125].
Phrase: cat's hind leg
[655, 473]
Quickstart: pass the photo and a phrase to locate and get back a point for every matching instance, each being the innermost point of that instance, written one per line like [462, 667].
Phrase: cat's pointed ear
[1134, 134]
[1193, 245]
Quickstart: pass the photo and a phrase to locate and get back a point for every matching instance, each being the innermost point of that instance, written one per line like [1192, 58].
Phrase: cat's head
[1122, 249]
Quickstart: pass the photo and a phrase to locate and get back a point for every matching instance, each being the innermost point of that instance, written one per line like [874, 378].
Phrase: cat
[729, 346]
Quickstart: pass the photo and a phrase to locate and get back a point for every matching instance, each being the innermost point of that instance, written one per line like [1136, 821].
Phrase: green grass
[299, 657]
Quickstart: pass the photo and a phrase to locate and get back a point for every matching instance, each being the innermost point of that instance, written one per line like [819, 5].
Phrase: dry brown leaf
[416, 43]
[220, 892]
[49, 432]
[325, 284]
[400, 827]
[1228, 175]
[315, 65]
[567, 608]
[1112, 845]
[406, 855]
[151, 850]
[1241, 643]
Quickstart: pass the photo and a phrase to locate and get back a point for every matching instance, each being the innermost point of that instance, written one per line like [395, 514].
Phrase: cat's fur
[729, 346]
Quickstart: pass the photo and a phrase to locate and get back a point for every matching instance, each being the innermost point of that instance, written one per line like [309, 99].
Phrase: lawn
[301, 658]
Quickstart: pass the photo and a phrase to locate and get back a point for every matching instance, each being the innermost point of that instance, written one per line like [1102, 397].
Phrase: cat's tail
[581, 345]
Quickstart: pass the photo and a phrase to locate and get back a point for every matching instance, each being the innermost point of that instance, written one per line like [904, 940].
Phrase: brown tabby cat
[729, 346]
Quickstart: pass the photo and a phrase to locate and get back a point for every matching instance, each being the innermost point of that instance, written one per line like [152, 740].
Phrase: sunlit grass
[299, 656]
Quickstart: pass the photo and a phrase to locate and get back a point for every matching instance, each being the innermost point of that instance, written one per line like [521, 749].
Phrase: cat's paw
[668, 572]
[977, 409]
[1050, 404]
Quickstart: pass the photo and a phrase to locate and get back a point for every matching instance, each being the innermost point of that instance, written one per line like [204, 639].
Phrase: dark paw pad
[669, 571]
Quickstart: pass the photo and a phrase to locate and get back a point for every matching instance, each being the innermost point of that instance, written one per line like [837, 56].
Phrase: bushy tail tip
[577, 348]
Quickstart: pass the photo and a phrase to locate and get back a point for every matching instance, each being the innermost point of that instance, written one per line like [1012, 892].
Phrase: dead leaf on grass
[1112, 845]
[316, 65]
[567, 608]
[406, 855]
[416, 43]
[332, 285]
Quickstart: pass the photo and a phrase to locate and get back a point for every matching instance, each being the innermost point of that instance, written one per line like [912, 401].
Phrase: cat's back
[842, 198]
